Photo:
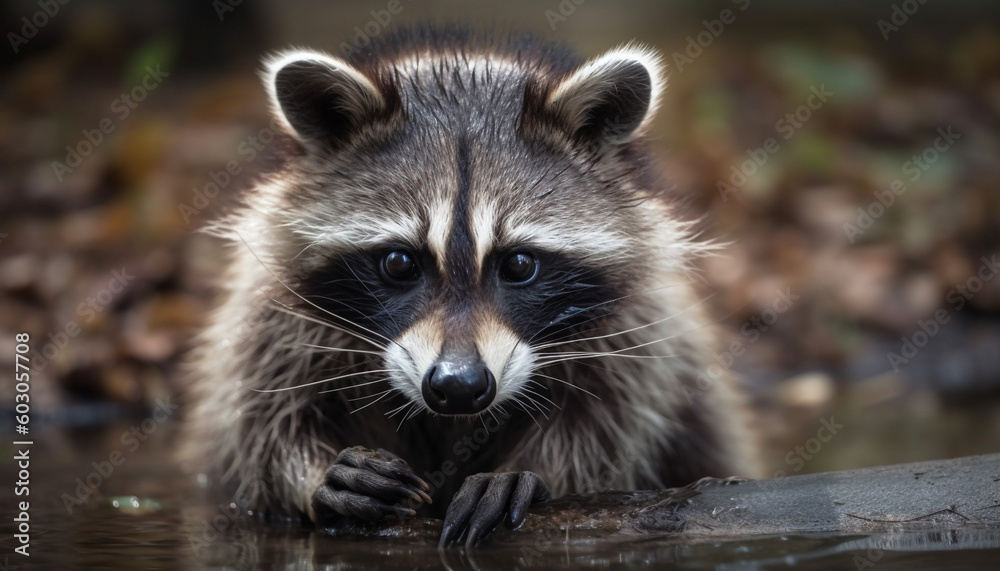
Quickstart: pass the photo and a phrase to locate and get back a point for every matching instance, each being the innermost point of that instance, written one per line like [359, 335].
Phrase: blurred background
[847, 152]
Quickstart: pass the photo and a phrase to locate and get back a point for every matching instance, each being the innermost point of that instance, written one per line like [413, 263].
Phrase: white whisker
[286, 309]
[296, 294]
[396, 410]
[541, 396]
[537, 374]
[331, 379]
[578, 355]
[369, 290]
[637, 328]
[535, 405]
[581, 356]
[411, 414]
[341, 349]
[383, 394]
[524, 407]
[596, 305]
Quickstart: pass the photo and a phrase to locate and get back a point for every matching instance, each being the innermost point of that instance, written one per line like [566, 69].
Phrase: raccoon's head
[459, 210]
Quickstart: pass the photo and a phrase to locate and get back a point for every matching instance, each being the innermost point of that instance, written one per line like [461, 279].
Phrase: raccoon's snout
[459, 386]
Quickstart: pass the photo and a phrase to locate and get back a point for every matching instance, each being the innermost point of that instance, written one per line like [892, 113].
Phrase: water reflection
[147, 514]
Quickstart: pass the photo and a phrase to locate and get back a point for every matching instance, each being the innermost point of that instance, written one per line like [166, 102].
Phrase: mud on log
[940, 495]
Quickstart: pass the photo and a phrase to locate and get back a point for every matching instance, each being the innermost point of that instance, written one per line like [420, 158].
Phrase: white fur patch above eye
[483, 225]
[439, 216]
[360, 232]
[592, 243]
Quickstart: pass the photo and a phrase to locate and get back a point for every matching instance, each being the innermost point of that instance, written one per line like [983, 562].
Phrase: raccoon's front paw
[368, 485]
[485, 499]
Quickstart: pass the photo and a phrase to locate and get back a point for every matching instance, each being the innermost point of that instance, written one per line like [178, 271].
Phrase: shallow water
[145, 514]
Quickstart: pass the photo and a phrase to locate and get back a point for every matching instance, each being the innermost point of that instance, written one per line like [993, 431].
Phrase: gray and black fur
[379, 296]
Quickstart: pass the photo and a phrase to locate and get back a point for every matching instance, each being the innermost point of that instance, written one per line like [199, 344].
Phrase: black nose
[459, 387]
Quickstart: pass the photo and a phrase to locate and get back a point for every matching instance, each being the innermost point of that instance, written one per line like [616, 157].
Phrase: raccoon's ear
[610, 99]
[323, 100]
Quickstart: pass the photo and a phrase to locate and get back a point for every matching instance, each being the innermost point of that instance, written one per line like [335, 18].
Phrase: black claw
[323, 502]
[530, 491]
[486, 499]
[368, 485]
[491, 507]
[383, 463]
[520, 500]
[399, 470]
[371, 509]
[461, 508]
[386, 454]
[333, 505]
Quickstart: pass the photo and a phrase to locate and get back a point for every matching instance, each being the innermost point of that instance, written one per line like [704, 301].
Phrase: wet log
[955, 494]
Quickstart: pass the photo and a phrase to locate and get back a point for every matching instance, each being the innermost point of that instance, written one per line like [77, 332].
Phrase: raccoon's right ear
[325, 101]
[609, 100]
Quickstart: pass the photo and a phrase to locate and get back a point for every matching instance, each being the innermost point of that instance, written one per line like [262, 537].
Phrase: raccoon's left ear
[610, 99]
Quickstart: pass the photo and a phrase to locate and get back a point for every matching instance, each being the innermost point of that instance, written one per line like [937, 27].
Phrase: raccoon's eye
[399, 265]
[519, 268]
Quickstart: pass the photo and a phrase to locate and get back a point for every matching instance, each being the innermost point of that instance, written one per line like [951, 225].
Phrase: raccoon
[464, 290]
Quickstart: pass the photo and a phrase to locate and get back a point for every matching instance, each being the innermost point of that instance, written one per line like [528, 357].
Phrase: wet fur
[648, 422]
